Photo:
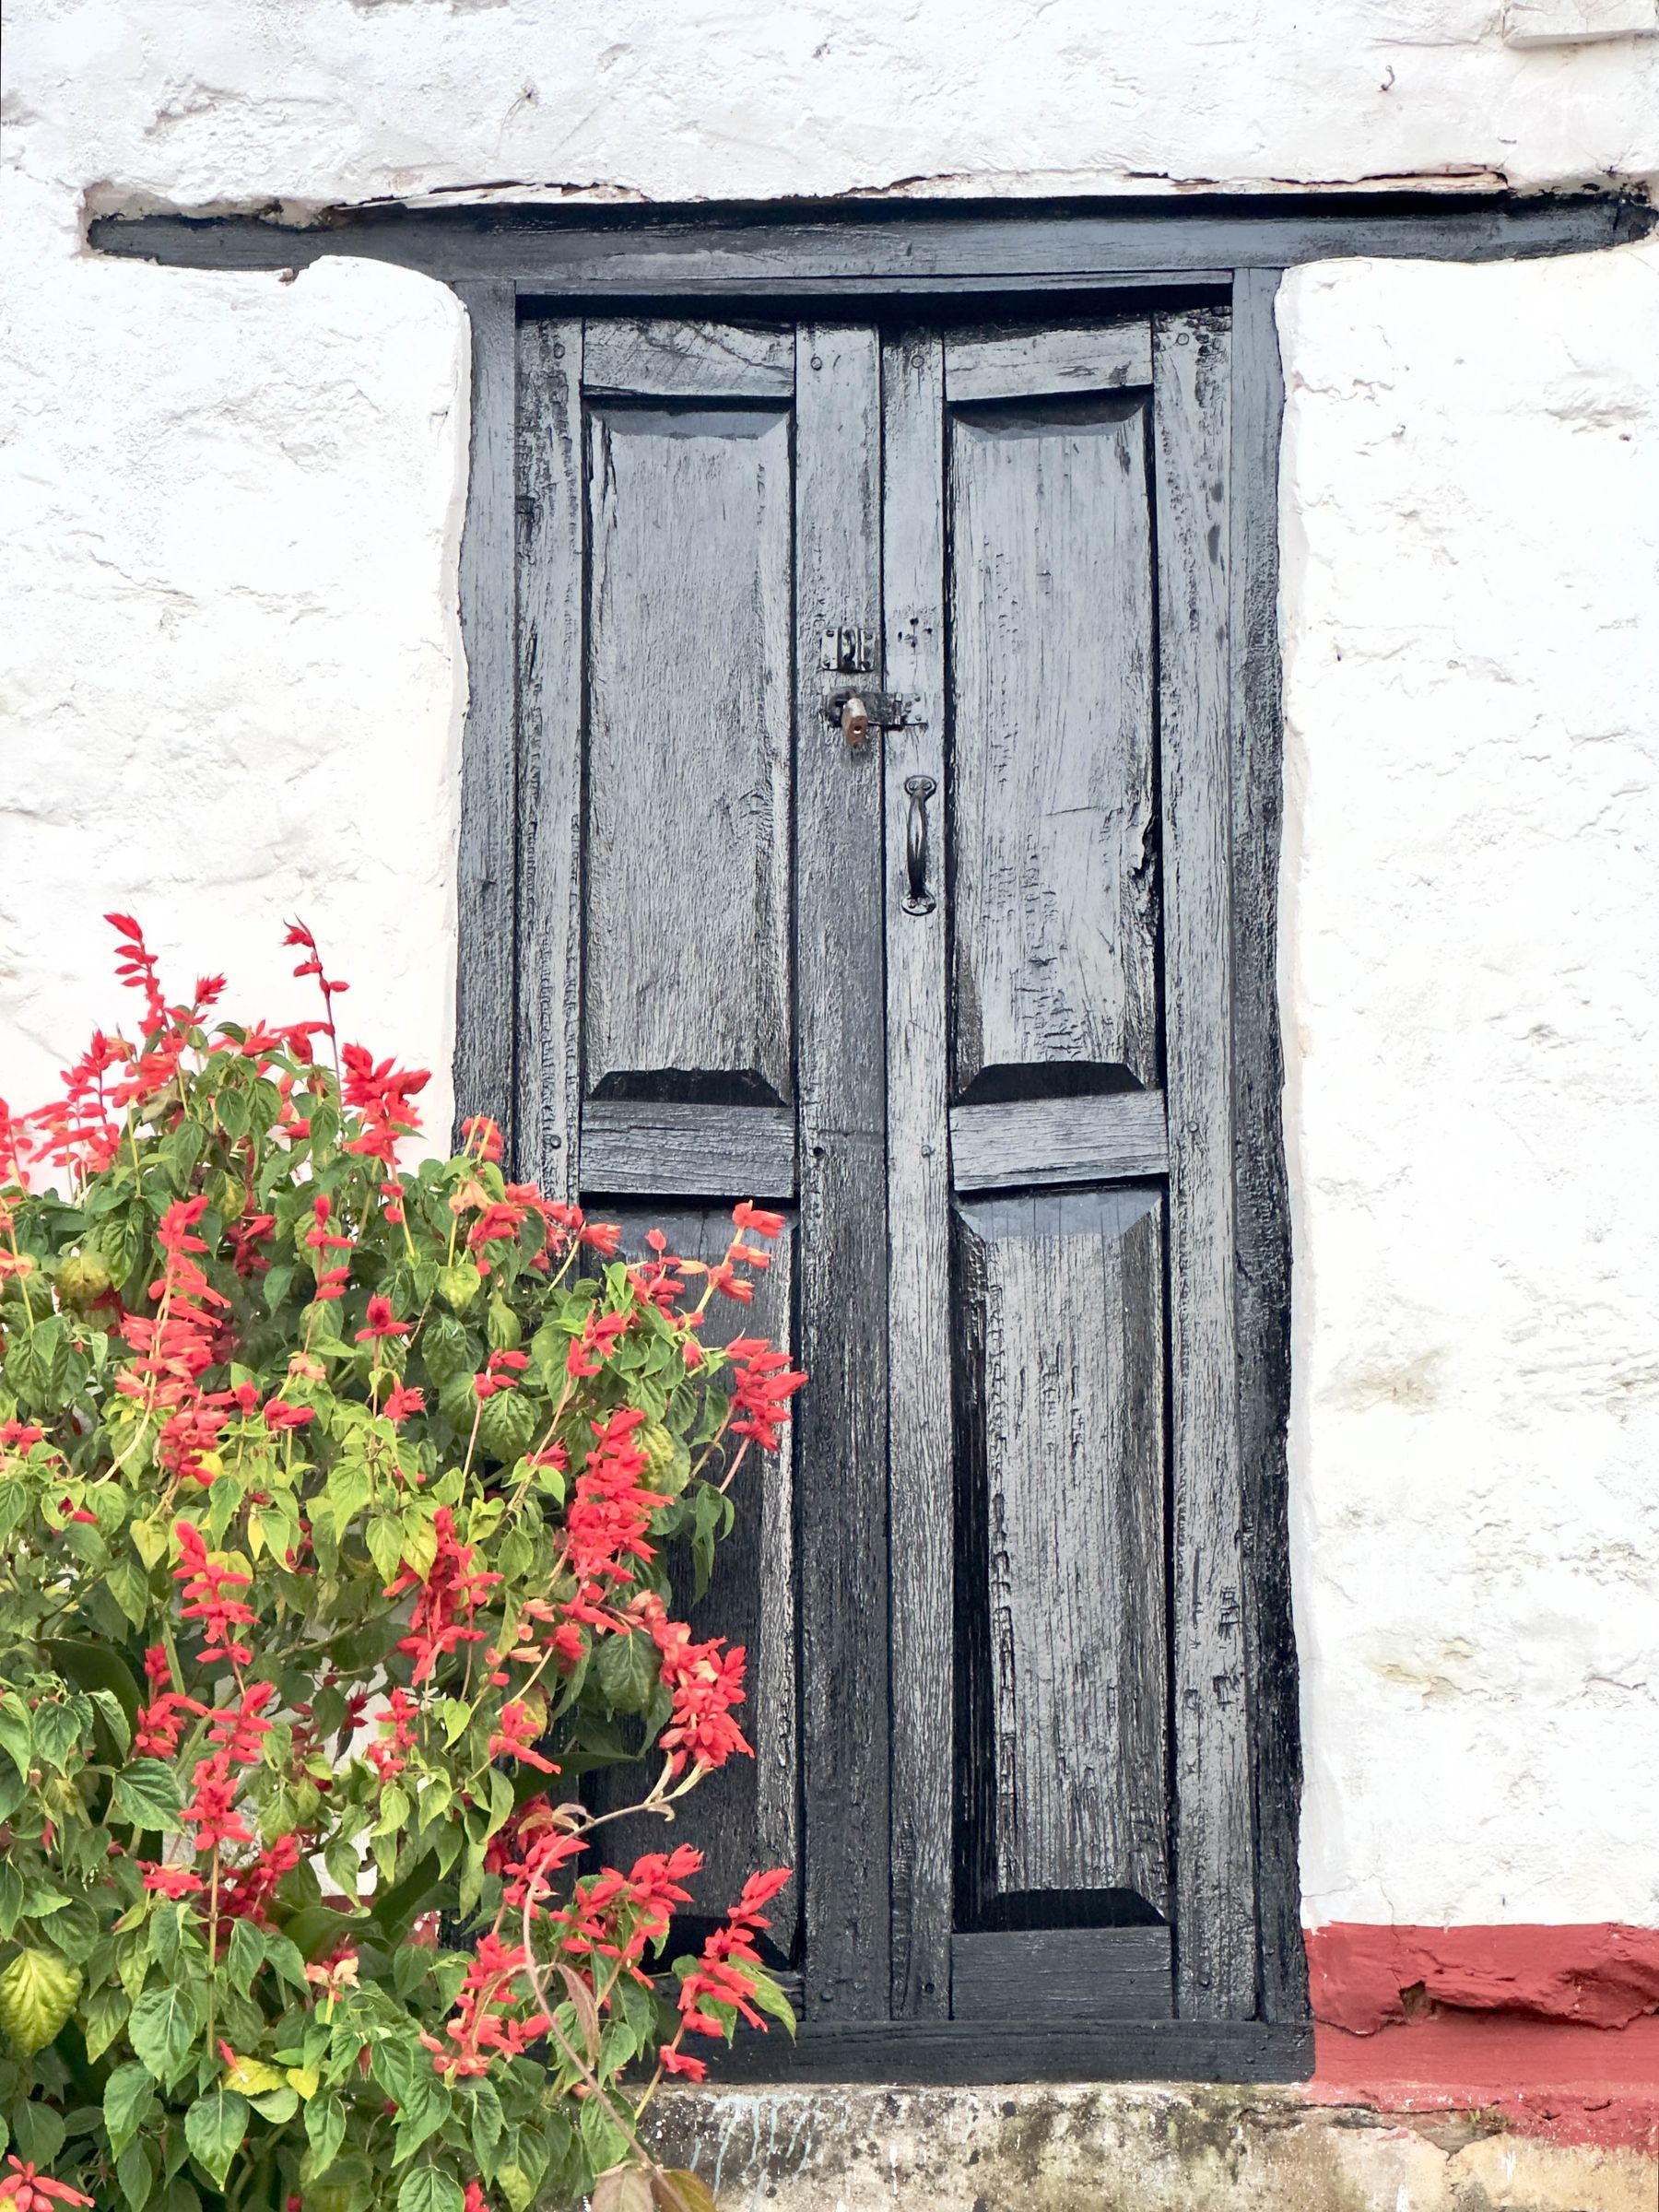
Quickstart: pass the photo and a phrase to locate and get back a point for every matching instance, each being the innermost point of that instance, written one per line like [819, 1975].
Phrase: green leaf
[145, 1796]
[162, 2029]
[603, 2141]
[324, 2131]
[95, 1666]
[115, 1719]
[427, 2190]
[136, 2171]
[129, 2097]
[487, 2123]
[214, 2128]
[245, 1955]
[37, 1994]
[629, 1668]
[384, 1537]
[286, 1958]
[422, 2110]
[459, 1285]
[180, 1150]
[129, 1586]
[502, 1801]
[37, 1364]
[448, 1347]
[103, 2016]
[770, 1998]
[277, 2105]
[38, 2131]
[16, 1737]
[149, 1540]
[166, 1935]
[57, 1729]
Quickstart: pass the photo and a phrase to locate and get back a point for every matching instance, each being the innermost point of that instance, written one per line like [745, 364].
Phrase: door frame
[874, 258]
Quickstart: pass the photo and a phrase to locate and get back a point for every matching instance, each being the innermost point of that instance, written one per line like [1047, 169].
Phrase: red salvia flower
[382, 1321]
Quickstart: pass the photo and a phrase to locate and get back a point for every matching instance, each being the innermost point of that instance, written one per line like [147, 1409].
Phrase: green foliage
[340, 1507]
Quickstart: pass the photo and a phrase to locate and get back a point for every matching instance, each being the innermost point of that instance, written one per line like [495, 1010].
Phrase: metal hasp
[859, 712]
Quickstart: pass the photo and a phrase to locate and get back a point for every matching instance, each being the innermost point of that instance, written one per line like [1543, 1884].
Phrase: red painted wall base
[1554, 2028]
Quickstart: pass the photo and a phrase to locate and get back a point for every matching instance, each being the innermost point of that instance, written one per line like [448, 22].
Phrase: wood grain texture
[966, 2052]
[677, 254]
[1215, 1918]
[686, 969]
[743, 1817]
[1070, 1405]
[1056, 924]
[549, 752]
[1063, 1975]
[1012, 364]
[1058, 1140]
[920, 1454]
[842, 1433]
[485, 861]
[1260, 1200]
[735, 1151]
[651, 359]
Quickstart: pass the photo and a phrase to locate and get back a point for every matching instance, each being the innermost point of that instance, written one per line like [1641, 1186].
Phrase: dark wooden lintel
[869, 249]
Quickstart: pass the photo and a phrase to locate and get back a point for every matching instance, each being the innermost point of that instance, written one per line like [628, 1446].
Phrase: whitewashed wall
[233, 689]
[1470, 966]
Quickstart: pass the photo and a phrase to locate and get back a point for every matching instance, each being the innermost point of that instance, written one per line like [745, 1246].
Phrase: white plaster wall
[231, 677]
[232, 690]
[198, 100]
[1470, 969]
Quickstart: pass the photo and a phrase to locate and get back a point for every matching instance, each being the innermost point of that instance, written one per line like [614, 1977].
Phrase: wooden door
[1069, 1706]
[954, 999]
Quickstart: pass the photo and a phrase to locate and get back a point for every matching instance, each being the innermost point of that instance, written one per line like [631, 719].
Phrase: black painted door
[956, 997]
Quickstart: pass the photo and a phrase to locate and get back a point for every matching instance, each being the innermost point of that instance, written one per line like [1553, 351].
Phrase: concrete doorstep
[1123, 2150]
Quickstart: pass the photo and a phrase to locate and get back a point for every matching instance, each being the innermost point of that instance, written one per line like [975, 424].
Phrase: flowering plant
[336, 1507]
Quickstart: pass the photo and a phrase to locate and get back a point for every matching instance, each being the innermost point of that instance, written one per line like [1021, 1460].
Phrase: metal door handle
[917, 898]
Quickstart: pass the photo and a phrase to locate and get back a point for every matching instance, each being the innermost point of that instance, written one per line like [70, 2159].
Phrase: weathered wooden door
[956, 996]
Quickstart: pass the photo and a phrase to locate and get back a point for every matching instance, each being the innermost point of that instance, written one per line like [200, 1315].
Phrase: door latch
[857, 713]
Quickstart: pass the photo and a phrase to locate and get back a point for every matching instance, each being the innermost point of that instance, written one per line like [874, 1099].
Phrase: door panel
[1052, 848]
[1065, 1414]
[689, 711]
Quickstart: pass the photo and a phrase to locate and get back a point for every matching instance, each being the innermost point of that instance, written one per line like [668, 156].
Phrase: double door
[873, 700]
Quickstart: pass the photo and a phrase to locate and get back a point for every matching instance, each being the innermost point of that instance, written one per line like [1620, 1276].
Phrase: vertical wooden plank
[485, 859]
[550, 766]
[1262, 1204]
[1216, 1928]
[842, 1433]
[920, 1458]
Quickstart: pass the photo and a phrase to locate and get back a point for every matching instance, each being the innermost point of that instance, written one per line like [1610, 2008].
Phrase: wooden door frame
[874, 258]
